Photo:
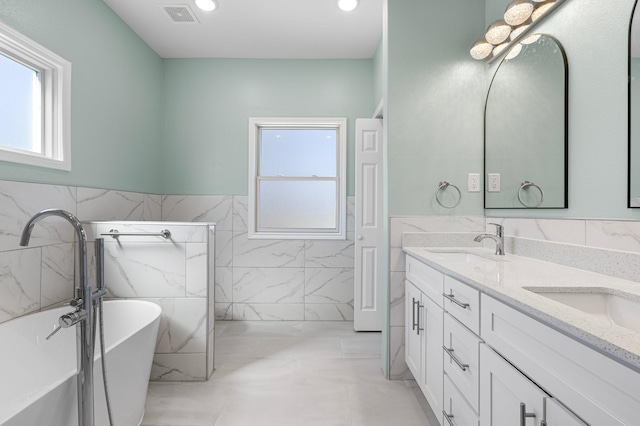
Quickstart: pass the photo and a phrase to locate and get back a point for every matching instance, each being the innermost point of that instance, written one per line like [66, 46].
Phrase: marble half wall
[42, 275]
[271, 279]
[177, 274]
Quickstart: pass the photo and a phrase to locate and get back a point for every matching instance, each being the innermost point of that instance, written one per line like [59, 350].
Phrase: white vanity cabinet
[423, 330]
[509, 398]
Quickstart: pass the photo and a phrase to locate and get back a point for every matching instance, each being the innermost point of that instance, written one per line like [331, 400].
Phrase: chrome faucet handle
[74, 303]
[499, 228]
[55, 330]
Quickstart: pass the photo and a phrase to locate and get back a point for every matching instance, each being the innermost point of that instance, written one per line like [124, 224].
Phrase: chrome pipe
[84, 328]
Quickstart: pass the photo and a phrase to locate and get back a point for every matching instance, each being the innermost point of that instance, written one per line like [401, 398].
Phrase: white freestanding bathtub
[38, 380]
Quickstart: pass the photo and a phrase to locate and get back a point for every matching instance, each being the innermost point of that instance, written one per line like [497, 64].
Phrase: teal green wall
[208, 103]
[378, 75]
[116, 95]
[434, 108]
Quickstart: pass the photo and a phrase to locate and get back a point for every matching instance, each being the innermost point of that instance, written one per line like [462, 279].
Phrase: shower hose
[98, 307]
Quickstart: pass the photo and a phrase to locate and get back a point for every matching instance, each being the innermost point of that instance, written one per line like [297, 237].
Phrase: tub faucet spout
[498, 238]
[82, 317]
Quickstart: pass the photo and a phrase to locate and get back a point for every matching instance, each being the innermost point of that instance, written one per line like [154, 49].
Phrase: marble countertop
[511, 278]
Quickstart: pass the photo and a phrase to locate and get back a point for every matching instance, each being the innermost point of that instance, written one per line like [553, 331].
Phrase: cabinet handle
[419, 329]
[524, 414]
[448, 417]
[449, 352]
[543, 423]
[452, 298]
[413, 314]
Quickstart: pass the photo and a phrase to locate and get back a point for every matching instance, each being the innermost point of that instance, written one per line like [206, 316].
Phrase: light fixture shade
[518, 12]
[481, 49]
[347, 5]
[497, 32]
[540, 10]
[499, 48]
[531, 39]
[207, 5]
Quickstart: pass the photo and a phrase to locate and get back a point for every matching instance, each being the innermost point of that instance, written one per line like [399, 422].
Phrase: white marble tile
[237, 370]
[57, 274]
[340, 371]
[223, 311]
[199, 208]
[211, 352]
[391, 404]
[145, 270]
[398, 369]
[267, 253]
[396, 290]
[19, 282]
[196, 269]
[571, 231]
[240, 207]
[362, 345]
[397, 259]
[104, 204]
[152, 207]
[179, 367]
[193, 404]
[224, 248]
[296, 347]
[20, 201]
[268, 285]
[328, 312]
[182, 326]
[268, 311]
[433, 224]
[330, 253]
[329, 285]
[224, 285]
[616, 235]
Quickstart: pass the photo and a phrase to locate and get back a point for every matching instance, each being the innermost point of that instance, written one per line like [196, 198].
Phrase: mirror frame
[629, 206]
[566, 131]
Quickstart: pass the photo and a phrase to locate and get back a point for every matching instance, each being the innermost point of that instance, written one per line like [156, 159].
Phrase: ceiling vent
[181, 14]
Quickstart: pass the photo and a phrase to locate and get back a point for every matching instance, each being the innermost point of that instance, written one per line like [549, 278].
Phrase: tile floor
[290, 374]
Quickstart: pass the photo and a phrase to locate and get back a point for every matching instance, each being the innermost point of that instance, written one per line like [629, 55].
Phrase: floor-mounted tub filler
[38, 384]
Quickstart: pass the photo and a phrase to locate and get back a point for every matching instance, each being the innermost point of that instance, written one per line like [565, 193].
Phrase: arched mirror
[526, 135]
[634, 110]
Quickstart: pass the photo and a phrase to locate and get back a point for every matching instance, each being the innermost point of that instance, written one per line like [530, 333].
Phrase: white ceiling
[312, 29]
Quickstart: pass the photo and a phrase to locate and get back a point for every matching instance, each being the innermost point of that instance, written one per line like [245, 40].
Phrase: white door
[368, 226]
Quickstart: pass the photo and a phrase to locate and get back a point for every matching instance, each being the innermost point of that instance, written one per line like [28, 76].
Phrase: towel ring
[444, 185]
[526, 184]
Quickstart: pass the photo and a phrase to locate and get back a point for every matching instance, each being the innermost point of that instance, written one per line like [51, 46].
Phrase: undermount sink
[464, 256]
[602, 303]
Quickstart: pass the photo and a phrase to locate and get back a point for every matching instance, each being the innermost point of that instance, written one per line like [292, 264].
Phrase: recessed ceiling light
[206, 5]
[347, 5]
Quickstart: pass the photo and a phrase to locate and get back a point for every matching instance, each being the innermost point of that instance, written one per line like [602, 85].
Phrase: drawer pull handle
[452, 298]
[524, 414]
[448, 417]
[413, 314]
[449, 352]
[419, 329]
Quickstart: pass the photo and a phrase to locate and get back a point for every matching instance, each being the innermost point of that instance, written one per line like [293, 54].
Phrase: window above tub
[297, 178]
[35, 105]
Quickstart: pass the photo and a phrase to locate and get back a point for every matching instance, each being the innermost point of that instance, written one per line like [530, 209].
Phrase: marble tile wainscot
[177, 274]
[41, 276]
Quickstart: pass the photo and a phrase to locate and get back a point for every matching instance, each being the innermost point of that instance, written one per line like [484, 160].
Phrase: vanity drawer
[463, 302]
[427, 279]
[457, 410]
[462, 359]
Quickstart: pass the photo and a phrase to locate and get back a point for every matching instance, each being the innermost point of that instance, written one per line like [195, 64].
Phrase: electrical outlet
[473, 183]
[493, 182]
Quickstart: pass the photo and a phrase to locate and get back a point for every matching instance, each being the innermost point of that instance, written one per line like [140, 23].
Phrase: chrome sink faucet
[498, 238]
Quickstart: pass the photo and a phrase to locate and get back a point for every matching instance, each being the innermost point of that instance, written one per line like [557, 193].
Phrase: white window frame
[55, 73]
[257, 123]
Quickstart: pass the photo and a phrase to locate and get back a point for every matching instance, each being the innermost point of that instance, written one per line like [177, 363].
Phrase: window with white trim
[35, 88]
[297, 178]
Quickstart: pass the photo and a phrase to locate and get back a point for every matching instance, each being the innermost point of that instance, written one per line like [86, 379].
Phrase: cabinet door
[557, 414]
[413, 334]
[507, 397]
[432, 356]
